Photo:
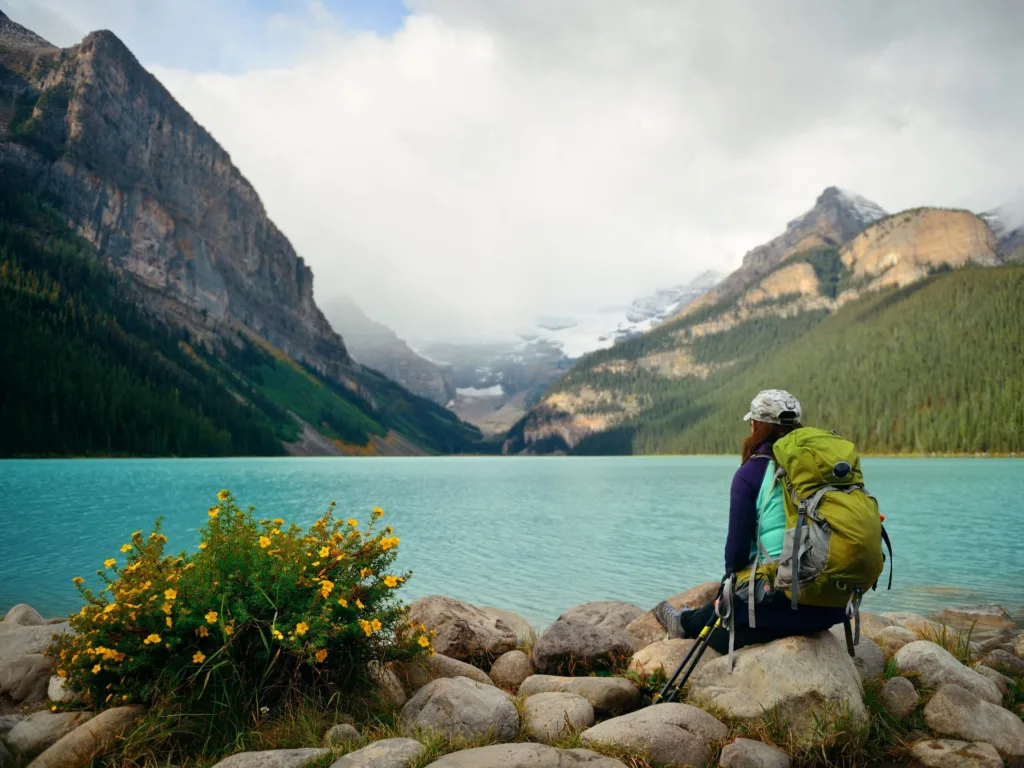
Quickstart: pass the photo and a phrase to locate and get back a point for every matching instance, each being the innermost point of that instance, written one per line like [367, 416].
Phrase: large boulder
[525, 635]
[386, 753]
[525, 756]
[871, 624]
[934, 666]
[891, 639]
[1004, 661]
[898, 697]
[416, 674]
[510, 669]
[570, 646]
[23, 615]
[665, 656]
[7, 722]
[946, 753]
[342, 733]
[1018, 646]
[91, 738]
[41, 730]
[957, 712]
[550, 717]
[273, 758]
[915, 622]
[604, 614]
[462, 708]
[744, 753]
[669, 733]
[24, 669]
[608, 695]
[387, 687]
[645, 629]
[802, 678]
[987, 616]
[464, 632]
[867, 656]
[1002, 681]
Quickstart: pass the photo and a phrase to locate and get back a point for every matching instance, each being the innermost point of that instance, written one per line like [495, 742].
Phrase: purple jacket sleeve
[746, 484]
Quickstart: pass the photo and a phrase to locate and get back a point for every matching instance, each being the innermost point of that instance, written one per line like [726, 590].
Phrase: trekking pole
[699, 646]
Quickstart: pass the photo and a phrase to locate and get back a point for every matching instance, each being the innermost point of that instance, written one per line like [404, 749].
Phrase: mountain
[377, 346]
[641, 394]
[142, 190]
[1007, 222]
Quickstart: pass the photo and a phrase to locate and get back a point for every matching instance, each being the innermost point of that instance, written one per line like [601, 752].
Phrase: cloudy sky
[461, 166]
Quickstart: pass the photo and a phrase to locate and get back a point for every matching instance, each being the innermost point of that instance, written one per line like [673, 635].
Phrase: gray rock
[525, 634]
[24, 615]
[1001, 680]
[867, 656]
[604, 614]
[871, 625]
[898, 697]
[341, 733]
[386, 753]
[1018, 646]
[273, 758]
[935, 666]
[463, 708]
[7, 722]
[6, 758]
[891, 639]
[510, 669]
[1004, 661]
[24, 670]
[669, 733]
[41, 730]
[944, 753]
[967, 616]
[744, 753]
[525, 756]
[645, 629]
[1003, 640]
[389, 688]
[464, 632]
[915, 622]
[570, 646]
[549, 717]
[957, 712]
[665, 655]
[803, 678]
[416, 674]
[608, 695]
[56, 690]
[78, 748]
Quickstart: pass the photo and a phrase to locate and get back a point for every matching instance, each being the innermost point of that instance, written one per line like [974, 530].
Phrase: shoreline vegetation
[271, 646]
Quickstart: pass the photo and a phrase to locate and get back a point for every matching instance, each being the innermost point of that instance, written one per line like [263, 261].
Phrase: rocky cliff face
[378, 347]
[135, 175]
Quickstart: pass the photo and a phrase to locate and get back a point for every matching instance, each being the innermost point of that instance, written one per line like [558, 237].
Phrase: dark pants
[774, 620]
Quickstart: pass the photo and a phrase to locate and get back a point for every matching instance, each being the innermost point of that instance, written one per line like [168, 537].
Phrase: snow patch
[866, 210]
[477, 393]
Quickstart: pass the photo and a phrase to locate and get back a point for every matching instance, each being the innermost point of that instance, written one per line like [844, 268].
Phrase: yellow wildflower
[365, 572]
[326, 587]
[365, 626]
[109, 563]
[202, 545]
[229, 629]
[168, 620]
[126, 547]
[423, 641]
[203, 632]
[321, 655]
[275, 532]
[97, 669]
[301, 628]
[390, 581]
[154, 638]
[171, 594]
[167, 608]
[316, 563]
[278, 521]
[359, 604]
[211, 617]
[213, 512]
[325, 551]
[376, 625]
[223, 495]
[78, 580]
[378, 512]
[343, 602]
[188, 565]
[110, 608]
[277, 634]
[353, 522]
[137, 535]
[198, 657]
[264, 542]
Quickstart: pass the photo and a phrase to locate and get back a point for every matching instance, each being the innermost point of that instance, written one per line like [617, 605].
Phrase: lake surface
[535, 535]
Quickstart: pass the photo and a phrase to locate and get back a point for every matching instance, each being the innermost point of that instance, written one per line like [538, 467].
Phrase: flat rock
[946, 753]
[386, 753]
[669, 733]
[525, 756]
[891, 639]
[898, 697]
[463, 708]
[23, 615]
[745, 753]
[871, 624]
[550, 717]
[645, 629]
[665, 655]
[868, 658]
[1002, 681]
[341, 733]
[78, 748]
[608, 695]
[1006, 662]
[525, 634]
[510, 669]
[799, 677]
[273, 758]
[570, 646]
[935, 666]
[957, 712]
[41, 730]
[915, 622]
[965, 616]
[416, 674]
[604, 614]
[464, 632]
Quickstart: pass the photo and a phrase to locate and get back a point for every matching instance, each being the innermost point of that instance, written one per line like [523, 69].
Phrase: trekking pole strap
[888, 545]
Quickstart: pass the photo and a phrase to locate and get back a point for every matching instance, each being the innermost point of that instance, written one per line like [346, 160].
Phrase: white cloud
[492, 161]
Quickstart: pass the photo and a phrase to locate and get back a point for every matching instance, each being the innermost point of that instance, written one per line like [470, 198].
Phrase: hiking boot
[669, 618]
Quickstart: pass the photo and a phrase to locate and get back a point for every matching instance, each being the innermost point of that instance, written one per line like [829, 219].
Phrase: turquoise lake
[534, 535]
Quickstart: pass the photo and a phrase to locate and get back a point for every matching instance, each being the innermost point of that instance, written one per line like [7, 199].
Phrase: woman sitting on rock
[773, 414]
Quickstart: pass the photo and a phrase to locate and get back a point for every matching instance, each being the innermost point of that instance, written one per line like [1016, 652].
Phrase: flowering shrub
[261, 609]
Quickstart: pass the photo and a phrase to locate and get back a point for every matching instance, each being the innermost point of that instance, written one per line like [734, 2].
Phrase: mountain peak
[13, 35]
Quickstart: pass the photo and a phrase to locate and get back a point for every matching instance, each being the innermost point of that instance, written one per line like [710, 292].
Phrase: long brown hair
[764, 433]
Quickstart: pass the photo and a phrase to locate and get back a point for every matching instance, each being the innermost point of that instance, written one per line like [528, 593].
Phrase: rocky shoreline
[579, 693]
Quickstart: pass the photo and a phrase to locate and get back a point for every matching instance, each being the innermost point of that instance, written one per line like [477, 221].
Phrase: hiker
[773, 414]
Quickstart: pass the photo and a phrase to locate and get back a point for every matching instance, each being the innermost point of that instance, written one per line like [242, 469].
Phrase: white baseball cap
[774, 406]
